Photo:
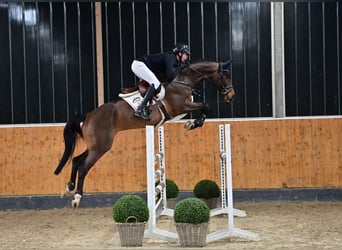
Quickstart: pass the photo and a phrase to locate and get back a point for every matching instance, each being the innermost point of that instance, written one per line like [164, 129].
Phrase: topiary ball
[130, 205]
[206, 189]
[171, 189]
[191, 210]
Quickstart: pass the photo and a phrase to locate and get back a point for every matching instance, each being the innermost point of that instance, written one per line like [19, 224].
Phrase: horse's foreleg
[198, 122]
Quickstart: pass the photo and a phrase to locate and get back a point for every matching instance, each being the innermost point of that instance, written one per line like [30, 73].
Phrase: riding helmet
[181, 47]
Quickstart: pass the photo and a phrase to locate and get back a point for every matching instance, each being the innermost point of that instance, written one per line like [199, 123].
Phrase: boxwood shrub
[191, 210]
[130, 205]
[206, 189]
[171, 189]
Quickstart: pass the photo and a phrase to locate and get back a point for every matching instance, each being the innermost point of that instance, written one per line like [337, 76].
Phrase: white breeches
[143, 72]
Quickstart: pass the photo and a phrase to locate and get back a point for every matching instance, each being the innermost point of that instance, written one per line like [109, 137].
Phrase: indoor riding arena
[279, 167]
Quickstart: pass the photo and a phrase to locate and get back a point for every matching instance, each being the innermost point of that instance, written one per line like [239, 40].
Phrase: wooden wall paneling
[282, 153]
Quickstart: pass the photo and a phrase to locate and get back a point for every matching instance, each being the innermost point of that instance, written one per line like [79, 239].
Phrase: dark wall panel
[47, 53]
[31, 63]
[60, 62]
[16, 14]
[43, 51]
[333, 94]
[264, 62]
[312, 58]
[215, 31]
[5, 66]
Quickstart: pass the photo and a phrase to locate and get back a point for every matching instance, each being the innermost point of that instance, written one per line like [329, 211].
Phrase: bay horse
[99, 127]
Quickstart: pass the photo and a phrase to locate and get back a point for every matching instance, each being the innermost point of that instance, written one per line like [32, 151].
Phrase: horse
[99, 127]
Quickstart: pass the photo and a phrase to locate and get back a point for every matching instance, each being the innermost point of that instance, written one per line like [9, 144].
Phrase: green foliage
[207, 189]
[191, 210]
[130, 205]
[171, 189]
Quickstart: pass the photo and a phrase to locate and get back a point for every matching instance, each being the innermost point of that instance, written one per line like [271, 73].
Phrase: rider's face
[183, 56]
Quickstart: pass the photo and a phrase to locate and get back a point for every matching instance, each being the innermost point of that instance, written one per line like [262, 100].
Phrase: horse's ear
[226, 63]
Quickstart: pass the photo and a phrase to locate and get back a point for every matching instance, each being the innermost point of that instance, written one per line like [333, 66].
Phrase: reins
[188, 84]
[224, 90]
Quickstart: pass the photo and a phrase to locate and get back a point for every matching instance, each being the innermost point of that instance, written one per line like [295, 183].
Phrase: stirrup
[143, 113]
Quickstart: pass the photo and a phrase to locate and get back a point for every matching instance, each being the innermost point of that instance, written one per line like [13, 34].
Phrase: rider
[150, 67]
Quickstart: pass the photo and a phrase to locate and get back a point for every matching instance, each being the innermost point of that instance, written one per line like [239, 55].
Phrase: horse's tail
[71, 130]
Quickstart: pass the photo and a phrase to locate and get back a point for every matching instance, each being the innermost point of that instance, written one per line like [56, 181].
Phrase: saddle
[134, 95]
[142, 86]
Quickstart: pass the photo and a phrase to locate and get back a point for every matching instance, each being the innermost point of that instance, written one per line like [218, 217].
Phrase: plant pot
[192, 235]
[131, 234]
[211, 202]
[171, 203]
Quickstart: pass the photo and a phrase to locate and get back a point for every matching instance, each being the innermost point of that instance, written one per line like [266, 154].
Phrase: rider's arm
[171, 66]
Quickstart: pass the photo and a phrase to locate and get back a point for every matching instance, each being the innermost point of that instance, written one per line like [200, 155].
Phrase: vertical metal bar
[98, 79]
[324, 62]
[258, 54]
[174, 22]
[202, 38]
[11, 60]
[79, 55]
[38, 65]
[134, 37]
[66, 57]
[244, 41]
[161, 26]
[99, 53]
[229, 177]
[230, 50]
[223, 167]
[310, 57]
[202, 30]
[162, 165]
[278, 71]
[147, 28]
[188, 22]
[134, 30]
[120, 34]
[107, 48]
[24, 59]
[52, 66]
[150, 178]
[216, 37]
[296, 59]
[338, 59]
[216, 57]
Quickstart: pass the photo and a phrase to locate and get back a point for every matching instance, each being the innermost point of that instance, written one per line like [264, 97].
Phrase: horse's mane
[197, 61]
[187, 67]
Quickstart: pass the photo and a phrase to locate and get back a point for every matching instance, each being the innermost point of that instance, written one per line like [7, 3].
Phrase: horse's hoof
[76, 201]
[74, 204]
[63, 194]
[189, 125]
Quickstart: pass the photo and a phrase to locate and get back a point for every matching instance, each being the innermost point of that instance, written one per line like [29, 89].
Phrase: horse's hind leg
[83, 170]
[76, 162]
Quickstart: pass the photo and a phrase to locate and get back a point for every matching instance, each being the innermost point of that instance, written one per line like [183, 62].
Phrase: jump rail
[227, 198]
[158, 206]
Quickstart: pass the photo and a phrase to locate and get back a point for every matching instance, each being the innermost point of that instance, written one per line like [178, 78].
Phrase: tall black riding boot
[142, 110]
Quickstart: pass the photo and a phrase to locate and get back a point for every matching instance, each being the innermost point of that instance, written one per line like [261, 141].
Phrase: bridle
[224, 89]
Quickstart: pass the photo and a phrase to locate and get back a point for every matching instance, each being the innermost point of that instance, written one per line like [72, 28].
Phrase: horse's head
[217, 74]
